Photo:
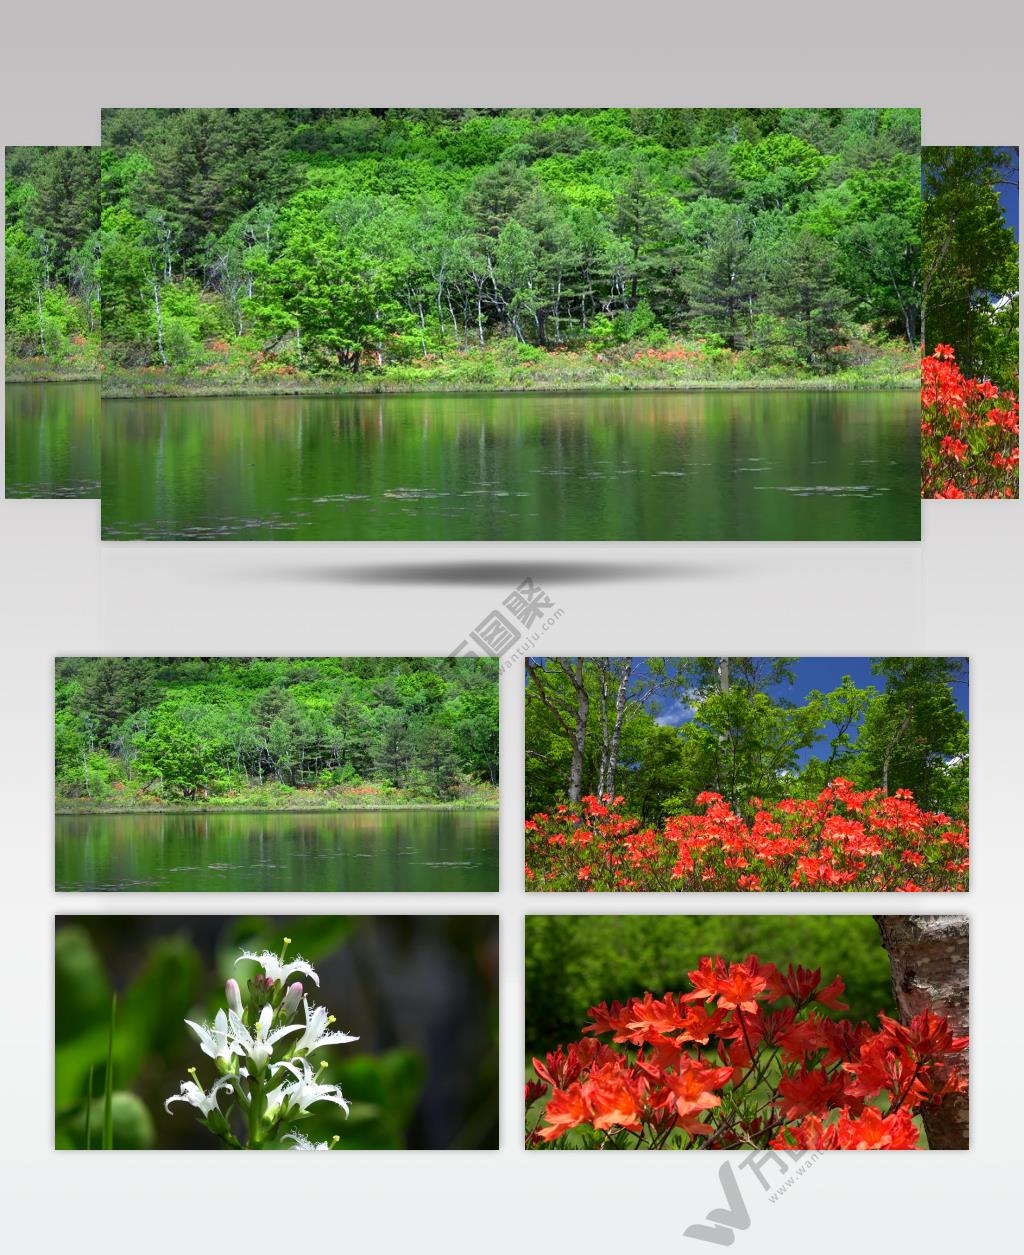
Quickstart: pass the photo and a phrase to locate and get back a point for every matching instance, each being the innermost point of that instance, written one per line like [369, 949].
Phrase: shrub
[970, 433]
[841, 840]
[747, 1058]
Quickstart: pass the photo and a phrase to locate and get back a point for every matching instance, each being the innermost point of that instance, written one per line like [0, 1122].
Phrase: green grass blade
[108, 1091]
[88, 1112]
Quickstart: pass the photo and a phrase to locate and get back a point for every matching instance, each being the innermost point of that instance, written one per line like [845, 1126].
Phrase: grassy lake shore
[147, 388]
[209, 808]
[23, 372]
[281, 800]
[506, 367]
[130, 799]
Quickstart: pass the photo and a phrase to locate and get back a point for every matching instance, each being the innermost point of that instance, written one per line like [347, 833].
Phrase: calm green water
[52, 441]
[626, 466]
[325, 851]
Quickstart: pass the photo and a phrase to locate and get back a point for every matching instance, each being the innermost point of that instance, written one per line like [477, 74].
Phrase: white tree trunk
[620, 714]
[580, 738]
[159, 324]
[930, 961]
[42, 325]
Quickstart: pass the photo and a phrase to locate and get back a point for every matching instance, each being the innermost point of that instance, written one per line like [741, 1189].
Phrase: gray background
[958, 592]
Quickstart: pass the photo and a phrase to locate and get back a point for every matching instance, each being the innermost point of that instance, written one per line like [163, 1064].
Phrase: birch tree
[570, 711]
[929, 958]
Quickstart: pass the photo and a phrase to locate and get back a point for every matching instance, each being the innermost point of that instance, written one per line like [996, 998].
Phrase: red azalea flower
[534, 1090]
[813, 1134]
[872, 1130]
[691, 1093]
[810, 1090]
[740, 989]
[844, 839]
[673, 1067]
[565, 1110]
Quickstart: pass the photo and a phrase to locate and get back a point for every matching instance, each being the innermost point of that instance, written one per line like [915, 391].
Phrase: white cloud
[675, 715]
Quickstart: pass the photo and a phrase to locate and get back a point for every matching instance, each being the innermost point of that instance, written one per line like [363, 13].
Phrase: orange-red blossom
[844, 839]
[970, 433]
[745, 1058]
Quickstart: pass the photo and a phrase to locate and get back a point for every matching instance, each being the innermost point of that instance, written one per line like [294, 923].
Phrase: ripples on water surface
[52, 440]
[316, 851]
[753, 465]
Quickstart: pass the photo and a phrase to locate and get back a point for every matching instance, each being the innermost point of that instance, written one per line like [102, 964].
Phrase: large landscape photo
[281, 774]
[486, 324]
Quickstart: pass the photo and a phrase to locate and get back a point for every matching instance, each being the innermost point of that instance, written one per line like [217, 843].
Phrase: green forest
[51, 267]
[520, 248]
[971, 268]
[574, 962]
[290, 733]
[662, 731]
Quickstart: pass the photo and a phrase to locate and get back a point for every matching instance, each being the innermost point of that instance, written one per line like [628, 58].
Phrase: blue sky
[1009, 197]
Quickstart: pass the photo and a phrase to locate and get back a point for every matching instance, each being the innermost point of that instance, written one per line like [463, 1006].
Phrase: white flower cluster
[262, 1051]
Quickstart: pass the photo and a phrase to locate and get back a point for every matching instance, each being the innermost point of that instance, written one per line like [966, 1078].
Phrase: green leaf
[108, 1092]
[132, 1125]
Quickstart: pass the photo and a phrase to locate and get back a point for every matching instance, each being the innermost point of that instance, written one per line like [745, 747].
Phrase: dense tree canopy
[661, 731]
[166, 729]
[338, 239]
[970, 267]
[52, 241]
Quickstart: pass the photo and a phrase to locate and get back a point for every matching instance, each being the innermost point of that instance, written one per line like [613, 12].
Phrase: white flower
[259, 1047]
[301, 1093]
[315, 1033]
[196, 1096]
[214, 1038]
[302, 1142]
[278, 969]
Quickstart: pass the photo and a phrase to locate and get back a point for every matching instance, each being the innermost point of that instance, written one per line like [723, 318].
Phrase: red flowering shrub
[745, 1059]
[673, 353]
[970, 433]
[844, 839]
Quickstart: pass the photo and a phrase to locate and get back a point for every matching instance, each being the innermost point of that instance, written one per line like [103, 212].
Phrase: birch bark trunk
[929, 958]
[602, 665]
[159, 324]
[580, 739]
[620, 712]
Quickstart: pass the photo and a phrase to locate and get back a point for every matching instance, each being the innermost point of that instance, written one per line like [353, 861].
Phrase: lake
[712, 465]
[52, 439]
[321, 851]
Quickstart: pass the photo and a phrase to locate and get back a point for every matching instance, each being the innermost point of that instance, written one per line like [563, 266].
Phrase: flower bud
[234, 995]
[261, 990]
[292, 998]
